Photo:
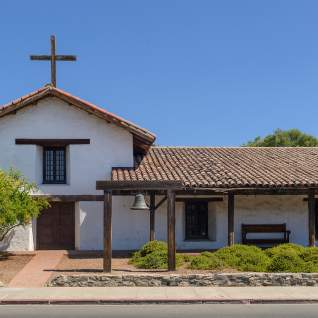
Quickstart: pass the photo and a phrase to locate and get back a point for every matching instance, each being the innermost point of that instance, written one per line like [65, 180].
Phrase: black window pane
[196, 219]
[54, 169]
[60, 165]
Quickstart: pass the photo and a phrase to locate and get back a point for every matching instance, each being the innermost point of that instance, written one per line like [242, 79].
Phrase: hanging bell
[139, 203]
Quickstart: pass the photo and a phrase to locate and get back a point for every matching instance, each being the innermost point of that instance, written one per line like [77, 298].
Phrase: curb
[130, 301]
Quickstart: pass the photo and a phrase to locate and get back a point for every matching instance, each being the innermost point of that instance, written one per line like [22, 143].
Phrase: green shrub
[282, 258]
[293, 258]
[206, 260]
[207, 254]
[310, 254]
[153, 255]
[287, 260]
[310, 267]
[187, 258]
[243, 258]
[152, 260]
[310, 257]
[152, 247]
[277, 250]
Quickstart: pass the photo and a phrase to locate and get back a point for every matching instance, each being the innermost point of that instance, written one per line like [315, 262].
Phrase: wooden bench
[265, 228]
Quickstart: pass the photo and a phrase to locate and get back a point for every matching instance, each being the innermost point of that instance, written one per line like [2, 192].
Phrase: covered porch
[171, 192]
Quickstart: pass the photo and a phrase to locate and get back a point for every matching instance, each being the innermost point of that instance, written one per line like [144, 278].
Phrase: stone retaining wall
[218, 279]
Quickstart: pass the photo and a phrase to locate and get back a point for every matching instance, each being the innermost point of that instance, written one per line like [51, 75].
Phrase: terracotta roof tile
[226, 167]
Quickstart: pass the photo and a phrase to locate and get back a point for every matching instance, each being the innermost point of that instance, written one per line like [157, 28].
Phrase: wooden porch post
[152, 208]
[230, 218]
[171, 222]
[107, 262]
[312, 218]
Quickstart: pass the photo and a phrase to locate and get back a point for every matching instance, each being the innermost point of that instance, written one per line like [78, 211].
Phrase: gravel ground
[10, 265]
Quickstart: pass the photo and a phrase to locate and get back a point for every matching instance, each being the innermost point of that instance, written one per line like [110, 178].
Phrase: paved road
[160, 311]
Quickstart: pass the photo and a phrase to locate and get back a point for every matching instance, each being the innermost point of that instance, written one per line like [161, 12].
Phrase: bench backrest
[263, 228]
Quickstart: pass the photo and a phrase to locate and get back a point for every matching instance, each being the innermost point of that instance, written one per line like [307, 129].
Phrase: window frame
[189, 236]
[54, 149]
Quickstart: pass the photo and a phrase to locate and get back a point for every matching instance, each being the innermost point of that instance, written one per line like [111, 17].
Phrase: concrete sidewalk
[113, 295]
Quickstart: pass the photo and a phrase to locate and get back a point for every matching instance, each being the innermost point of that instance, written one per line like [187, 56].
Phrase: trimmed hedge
[282, 258]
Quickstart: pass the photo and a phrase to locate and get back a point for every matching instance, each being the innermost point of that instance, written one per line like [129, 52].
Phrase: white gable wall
[52, 118]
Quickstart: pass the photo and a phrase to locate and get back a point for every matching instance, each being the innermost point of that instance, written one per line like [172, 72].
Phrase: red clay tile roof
[226, 167]
[142, 137]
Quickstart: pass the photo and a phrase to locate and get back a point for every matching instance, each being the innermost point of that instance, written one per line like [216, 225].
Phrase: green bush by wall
[282, 258]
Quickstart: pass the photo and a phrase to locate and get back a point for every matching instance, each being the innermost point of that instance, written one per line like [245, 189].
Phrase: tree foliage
[17, 206]
[284, 138]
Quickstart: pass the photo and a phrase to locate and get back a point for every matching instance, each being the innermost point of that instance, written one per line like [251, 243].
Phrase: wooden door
[56, 227]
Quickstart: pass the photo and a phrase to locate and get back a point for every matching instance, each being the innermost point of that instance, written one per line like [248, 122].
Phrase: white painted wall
[52, 118]
[131, 228]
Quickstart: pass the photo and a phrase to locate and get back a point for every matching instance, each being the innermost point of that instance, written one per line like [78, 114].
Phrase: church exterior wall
[131, 228]
[51, 118]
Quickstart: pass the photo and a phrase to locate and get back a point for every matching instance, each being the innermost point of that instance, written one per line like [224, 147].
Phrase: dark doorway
[56, 227]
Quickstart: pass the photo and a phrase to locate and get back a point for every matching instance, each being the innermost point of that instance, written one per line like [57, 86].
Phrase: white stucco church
[68, 146]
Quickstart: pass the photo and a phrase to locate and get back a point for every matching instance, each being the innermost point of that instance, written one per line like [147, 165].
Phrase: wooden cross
[53, 58]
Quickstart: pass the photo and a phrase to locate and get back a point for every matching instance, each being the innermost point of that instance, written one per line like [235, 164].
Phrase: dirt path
[10, 265]
[38, 270]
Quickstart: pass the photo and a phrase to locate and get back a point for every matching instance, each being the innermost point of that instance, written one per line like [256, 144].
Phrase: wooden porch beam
[215, 199]
[312, 218]
[247, 191]
[230, 218]
[52, 142]
[152, 210]
[215, 192]
[138, 185]
[70, 198]
[107, 261]
[171, 222]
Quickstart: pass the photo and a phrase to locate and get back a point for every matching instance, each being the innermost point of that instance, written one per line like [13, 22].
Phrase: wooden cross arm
[57, 57]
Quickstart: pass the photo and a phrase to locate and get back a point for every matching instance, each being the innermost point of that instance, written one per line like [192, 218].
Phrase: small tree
[284, 138]
[17, 206]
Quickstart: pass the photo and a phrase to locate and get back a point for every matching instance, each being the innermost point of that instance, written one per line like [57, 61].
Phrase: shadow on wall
[4, 245]
[90, 226]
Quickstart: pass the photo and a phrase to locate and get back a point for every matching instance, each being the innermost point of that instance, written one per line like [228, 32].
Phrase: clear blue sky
[194, 72]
